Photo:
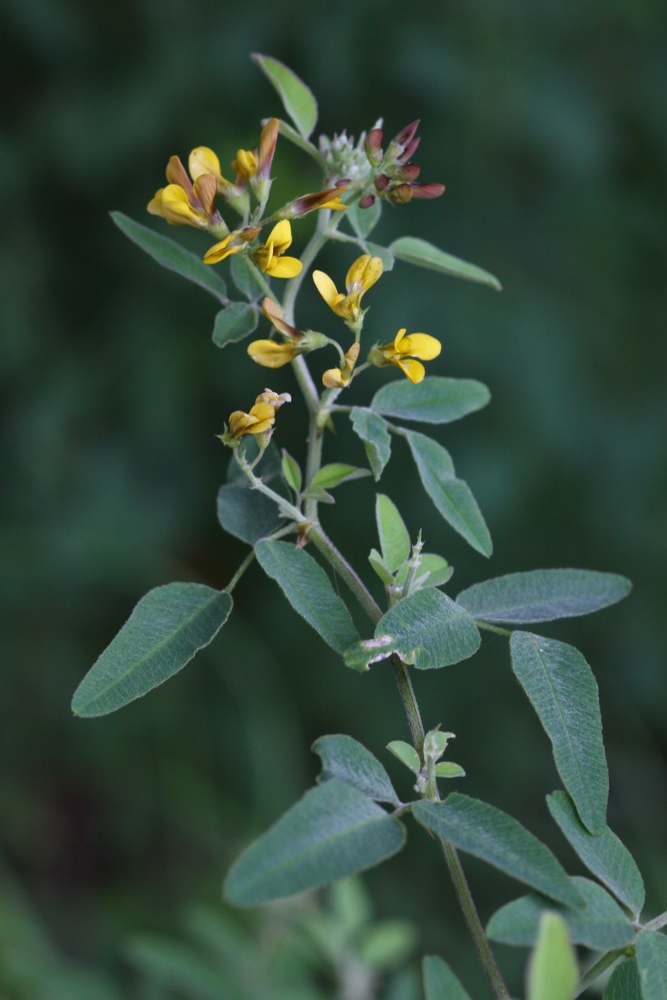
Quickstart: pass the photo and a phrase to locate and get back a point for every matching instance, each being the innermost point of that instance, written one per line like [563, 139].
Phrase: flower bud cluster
[394, 176]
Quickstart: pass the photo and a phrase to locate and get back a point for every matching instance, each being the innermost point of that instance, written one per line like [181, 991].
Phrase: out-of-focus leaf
[651, 951]
[167, 627]
[388, 944]
[177, 967]
[440, 983]
[233, 323]
[436, 400]
[364, 220]
[298, 101]
[332, 832]
[377, 440]
[291, 471]
[173, 256]
[562, 690]
[553, 972]
[497, 838]
[423, 254]
[345, 758]
[247, 514]
[625, 983]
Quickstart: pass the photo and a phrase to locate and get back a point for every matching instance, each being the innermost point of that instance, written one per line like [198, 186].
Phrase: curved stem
[600, 966]
[338, 562]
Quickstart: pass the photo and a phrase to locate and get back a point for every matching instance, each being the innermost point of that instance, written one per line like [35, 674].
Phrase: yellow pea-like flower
[402, 352]
[365, 271]
[339, 378]
[259, 419]
[246, 163]
[269, 258]
[173, 204]
[271, 354]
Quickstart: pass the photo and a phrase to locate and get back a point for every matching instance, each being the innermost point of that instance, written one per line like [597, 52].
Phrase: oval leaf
[393, 535]
[490, 834]
[248, 279]
[247, 514]
[652, 965]
[440, 983]
[423, 254]
[308, 589]
[336, 473]
[234, 323]
[332, 832]
[604, 855]
[625, 983]
[564, 693]
[553, 972]
[298, 101]
[601, 926]
[377, 440]
[173, 256]
[406, 754]
[165, 630]
[345, 758]
[451, 496]
[436, 400]
[438, 569]
[543, 595]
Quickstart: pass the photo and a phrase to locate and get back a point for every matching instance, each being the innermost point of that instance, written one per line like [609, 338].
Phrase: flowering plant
[353, 818]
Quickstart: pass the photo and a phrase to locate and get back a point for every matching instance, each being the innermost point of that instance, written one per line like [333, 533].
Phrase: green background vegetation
[548, 124]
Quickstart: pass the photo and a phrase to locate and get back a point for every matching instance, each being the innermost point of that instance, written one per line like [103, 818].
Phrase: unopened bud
[367, 201]
[400, 194]
[428, 190]
[382, 182]
[409, 172]
[373, 147]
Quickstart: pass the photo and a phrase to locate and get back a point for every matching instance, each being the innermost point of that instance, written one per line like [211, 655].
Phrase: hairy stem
[600, 966]
[240, 571]
[338, 562]
[406, 691]
[656, 923]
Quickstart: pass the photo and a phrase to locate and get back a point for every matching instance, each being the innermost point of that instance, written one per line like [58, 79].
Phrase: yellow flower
[270, 258]
[246, 163]
[202, 161]
[270, 354]
[330, 198]
[259, 420]
[232, 243]
[339, 378]
[364, 272]
[173, 204]
[403, 350]
[274, 314]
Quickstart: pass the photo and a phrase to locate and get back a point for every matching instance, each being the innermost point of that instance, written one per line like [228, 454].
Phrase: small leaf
[438, 569]
[165, 630]
[406, 754]
[336, 473]
[318, 493]
[377, 562]
[332, 832]
[604, 855]
[364, 220]
[291, 471]
[440, 983]
[176, 967]
[384, 253]
[490, 834]
[625, 983]
[543, 595]
[451, 496]
[298, 101]
[377, 440]
[423, 254]
[651, 950]
[247, 514]
[394, 537]
[308, 589]
[388, 944]
[234, 323]
[562, 690]
[248, 279]
[173, 256]
[602, 925]
[436, 400]
[427, 630]
[553, 972]
[448, 769]
[345, 758]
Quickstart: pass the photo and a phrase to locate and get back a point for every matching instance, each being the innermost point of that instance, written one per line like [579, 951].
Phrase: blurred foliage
[548, 123]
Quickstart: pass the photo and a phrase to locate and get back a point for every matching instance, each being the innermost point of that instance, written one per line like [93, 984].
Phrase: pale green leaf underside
[625, 983]
[345, 758]
[406, 754]
[423, 254]
[298, 101]
[172, 255]
[233, 323]
[308, 589]
[563, 691]
[652, 965]
[248, 279]
[602, 925]
[436, 400]
[165, 630]
[377, 440]
[337, 473]
[497, 838]
[543, 595]
[604, 854]
[553, 973]
[364, 220]
[393, 535]
[247, 514]
[440, 983]
[332, 832]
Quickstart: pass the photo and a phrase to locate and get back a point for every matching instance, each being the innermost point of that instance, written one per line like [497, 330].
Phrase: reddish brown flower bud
[409, 151]
[408, 173]
[382, 182]
[367, 201]
[249, 233]
[407, 134]
[206, 188]
[373, 147]
[344, 182]
[400, 194]
[267, 147]
[428, 190]
[177, 174]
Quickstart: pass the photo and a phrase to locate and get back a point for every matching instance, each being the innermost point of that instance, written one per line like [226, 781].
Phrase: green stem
[317, 536]
[239, 573]
[600, 966]
[406, 691]
[656, 923]
[492, 628]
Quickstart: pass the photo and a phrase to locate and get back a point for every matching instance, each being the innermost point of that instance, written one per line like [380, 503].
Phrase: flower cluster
[258, 421]
[395, 177]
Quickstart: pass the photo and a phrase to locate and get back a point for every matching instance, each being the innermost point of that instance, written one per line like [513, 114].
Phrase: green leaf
[406, 754]
[345, 758]
[336, 473]
[333, 831]
[438, 569]
[625, 983]
[308, 589]
[290, 133]
[298, 101]
[318, 493]
[436, 400]
[651, 950]
[543, 595]
[388, 944]
[553, 973]
[448, 769]
[248, 279]
[234, 323]
[364, 220]
[451, 496]
[268, 467]
[423, 254]
[490, 834]
[601, 926]
[247, 514]
[427, 630]
[394, 537]
[291, 471]
[377, 562]
[377, 440]
[604, 855]
[176, 967]
[165, 630]
[384, 253]
[563, 692]
[440, 983]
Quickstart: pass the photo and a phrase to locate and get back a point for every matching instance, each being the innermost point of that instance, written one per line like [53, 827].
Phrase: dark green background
[547, 121]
